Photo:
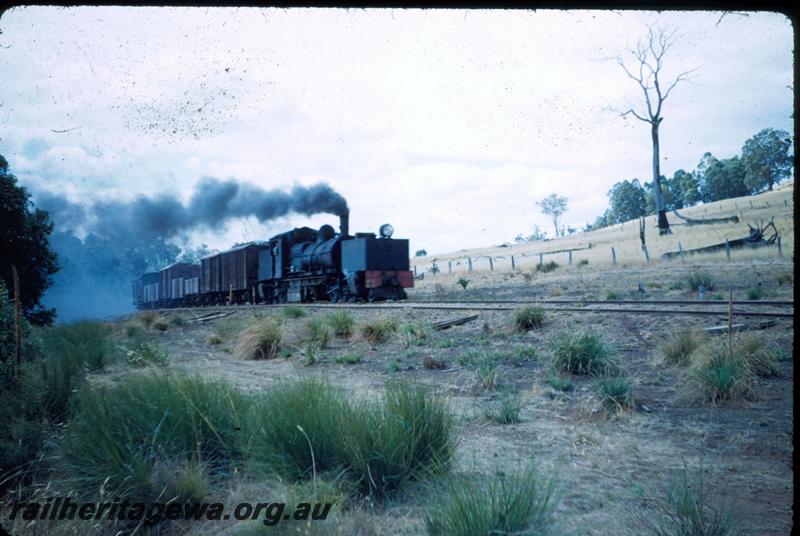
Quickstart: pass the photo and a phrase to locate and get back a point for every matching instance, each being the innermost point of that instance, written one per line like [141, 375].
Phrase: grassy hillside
[778, 204]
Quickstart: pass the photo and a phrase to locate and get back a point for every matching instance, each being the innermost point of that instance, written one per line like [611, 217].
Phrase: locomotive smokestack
[344, 223]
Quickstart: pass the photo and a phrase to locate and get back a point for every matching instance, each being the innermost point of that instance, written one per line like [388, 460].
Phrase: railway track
[684, 307]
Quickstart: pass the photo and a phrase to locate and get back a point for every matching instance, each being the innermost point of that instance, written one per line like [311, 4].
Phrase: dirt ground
[607, 465]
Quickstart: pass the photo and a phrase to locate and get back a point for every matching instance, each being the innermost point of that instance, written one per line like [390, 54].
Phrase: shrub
[463, 281]
[685, 511]
[177, 320]
[415, 333]
[433, 363]
[319, 333]
[528, 318]
[583, 353]
[675, 285]
[447, 343]
[119, 436]
[215, 339]
[785, 278]
[294, 311]
[560, 384]
[348, 359]
[700, 278]
[679, 346]
[518, 503]
[160, 324]
[143, 354]
[507, 412]
[715, 375]
[261, 340]
[379, 330]
[341, 322]
[583, 262]
[547, 267]
[615, 393]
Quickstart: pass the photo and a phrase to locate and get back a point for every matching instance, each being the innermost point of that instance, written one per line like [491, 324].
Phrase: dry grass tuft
[379, 330]
[679, 346]
[261, 340]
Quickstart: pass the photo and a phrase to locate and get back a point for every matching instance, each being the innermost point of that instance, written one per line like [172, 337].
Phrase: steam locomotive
[299, 266]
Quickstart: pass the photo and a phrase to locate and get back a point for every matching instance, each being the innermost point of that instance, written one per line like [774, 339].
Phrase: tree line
[764, 161]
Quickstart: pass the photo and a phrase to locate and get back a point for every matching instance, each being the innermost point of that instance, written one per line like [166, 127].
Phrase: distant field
[624, 238]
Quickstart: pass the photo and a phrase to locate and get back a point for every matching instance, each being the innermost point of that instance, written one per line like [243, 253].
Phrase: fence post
[613, 255]
[491, 264]
[449, 267]
[727, 249]
[415, 269]
[780, 249]
[751, 203]
[469, 263]
[513, 266]
[680, 250]
[767, 202]
[570, 257]
[646, 254]
[541, 259]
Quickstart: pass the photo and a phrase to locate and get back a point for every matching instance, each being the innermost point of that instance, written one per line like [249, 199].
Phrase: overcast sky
[449, 124]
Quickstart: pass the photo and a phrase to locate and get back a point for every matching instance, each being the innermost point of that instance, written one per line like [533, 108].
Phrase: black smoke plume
[121, 240]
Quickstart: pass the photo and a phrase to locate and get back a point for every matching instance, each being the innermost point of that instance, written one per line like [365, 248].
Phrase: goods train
[301, 265]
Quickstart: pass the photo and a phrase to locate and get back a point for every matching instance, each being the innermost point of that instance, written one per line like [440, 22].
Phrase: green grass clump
[215, 339]
[685, 511]
[615, 393]
[293, 311]
[415, 333]
[528, 318]
[309, 354]
[88, 342]
[560, 384]
[319, 332]
[679, 346]
[308, 427]
[518, 503]
[143, 354]
[613, 295]
[341, 322]
[463, 281]
[583, 262]
[675, 285]
[756, 293]
[177, 320]
[583, 353]
[547, 266]
[348, 359]
[379, 330]
[227, 329]
[160, 324]
[715, 375]
[507, 412]
[406, 438]
[119, 434]
[699, 278]
[524, 355]
[261, 340]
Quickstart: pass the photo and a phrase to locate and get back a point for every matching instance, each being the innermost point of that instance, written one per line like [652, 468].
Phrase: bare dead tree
[649, 55]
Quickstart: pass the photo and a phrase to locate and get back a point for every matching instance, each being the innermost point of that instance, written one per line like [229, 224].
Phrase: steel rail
[485, 307]
[534, 301]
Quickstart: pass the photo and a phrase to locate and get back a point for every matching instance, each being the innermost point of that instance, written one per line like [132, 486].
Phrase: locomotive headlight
[386, 230]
